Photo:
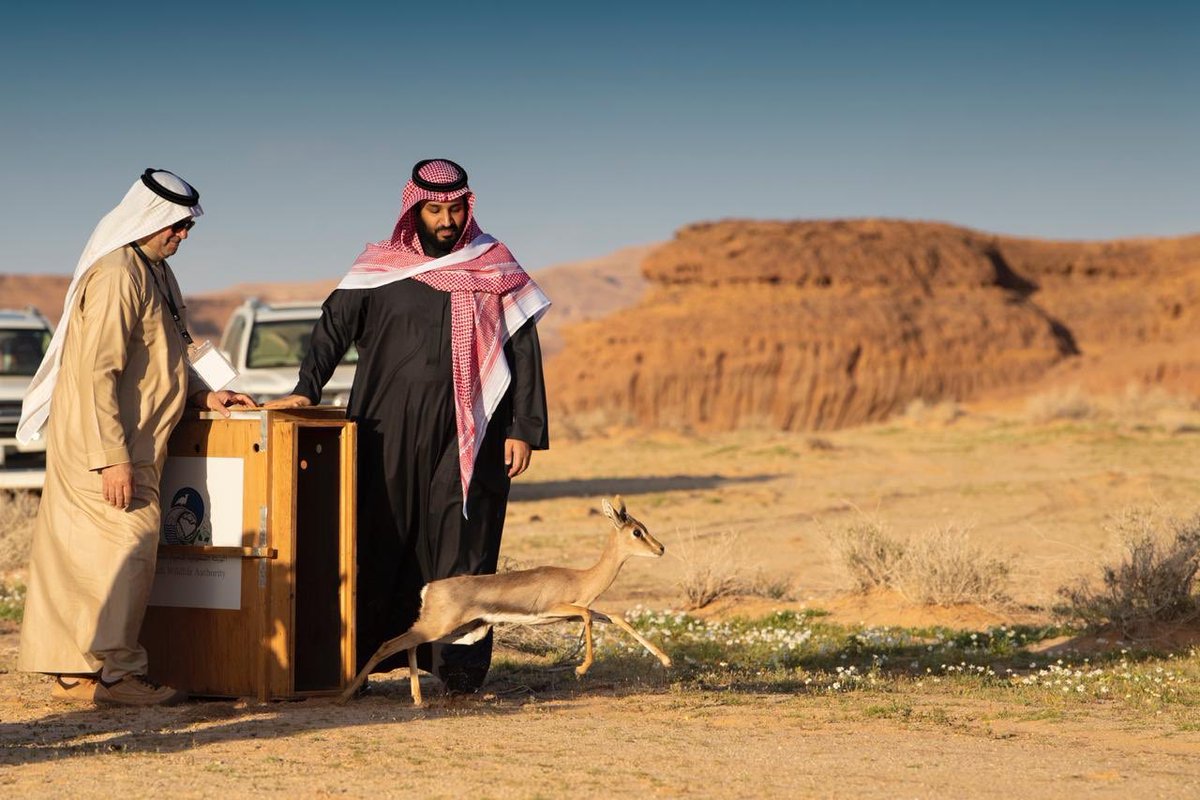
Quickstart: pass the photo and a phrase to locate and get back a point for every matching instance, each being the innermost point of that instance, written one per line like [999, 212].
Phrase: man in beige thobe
[111, 388]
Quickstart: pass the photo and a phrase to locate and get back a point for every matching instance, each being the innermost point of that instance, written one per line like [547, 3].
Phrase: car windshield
[21, 350]
[284, 343]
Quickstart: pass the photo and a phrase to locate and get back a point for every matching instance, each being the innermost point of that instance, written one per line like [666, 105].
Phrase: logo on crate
[185, 521]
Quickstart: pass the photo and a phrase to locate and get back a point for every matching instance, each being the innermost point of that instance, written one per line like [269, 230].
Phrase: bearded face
[440, 225]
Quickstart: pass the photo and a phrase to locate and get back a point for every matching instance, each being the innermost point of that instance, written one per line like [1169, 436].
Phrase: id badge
[211, 366]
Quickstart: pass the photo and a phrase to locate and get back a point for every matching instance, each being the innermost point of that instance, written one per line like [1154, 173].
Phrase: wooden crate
[284, 626]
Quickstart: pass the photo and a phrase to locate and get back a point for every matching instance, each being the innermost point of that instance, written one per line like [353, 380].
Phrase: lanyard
[165, 292]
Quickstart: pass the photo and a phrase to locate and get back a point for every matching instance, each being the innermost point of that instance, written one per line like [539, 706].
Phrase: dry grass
[1137, 407]
[561, 641]
[941, 567]
[866, 554]
[17, 513]
[1153, 582]
[770, 586]
[1066, 403]
[712, 568]
[921, 412]
[944, 568]
[1156, 407]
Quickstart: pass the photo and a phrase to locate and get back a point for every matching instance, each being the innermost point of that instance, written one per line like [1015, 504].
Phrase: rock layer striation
[824, 324]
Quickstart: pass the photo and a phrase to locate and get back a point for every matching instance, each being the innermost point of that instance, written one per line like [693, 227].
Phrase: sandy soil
[593, 740]
[1036, 494]
[1040, 495]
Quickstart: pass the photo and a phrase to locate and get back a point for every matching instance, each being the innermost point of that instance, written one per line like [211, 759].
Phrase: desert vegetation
[1153, 582]
[941, 566]
[806, 652]
[717, 567]
[1137, 406]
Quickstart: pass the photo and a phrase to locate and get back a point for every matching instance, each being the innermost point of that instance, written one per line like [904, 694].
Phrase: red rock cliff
[811, 325]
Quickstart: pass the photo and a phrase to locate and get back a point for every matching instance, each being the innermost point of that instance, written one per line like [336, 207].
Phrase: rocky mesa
[822, 324]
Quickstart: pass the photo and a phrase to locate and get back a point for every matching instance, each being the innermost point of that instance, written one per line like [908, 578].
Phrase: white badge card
[211, 366]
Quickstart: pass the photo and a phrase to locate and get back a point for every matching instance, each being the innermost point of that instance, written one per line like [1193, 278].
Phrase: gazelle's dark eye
[637, 532]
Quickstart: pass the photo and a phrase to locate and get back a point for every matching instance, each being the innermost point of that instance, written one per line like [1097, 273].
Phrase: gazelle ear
[614, 516]
[621, 508]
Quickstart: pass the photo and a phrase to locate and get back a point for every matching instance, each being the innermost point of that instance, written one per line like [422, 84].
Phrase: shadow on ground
[90, 731]
[592, 487]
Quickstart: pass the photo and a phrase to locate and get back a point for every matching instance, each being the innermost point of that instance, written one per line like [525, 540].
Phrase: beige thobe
[121, 389]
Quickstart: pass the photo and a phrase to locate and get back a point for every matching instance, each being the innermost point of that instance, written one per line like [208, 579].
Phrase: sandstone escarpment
[1133, 307]
[810, 325]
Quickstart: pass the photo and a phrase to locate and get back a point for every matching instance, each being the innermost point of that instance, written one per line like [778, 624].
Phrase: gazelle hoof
[666, 661]
[581, 670]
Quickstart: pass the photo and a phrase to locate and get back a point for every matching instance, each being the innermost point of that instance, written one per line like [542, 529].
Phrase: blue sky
[588, 127]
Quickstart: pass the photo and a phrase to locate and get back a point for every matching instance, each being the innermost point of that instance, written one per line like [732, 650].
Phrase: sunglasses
[185, 225]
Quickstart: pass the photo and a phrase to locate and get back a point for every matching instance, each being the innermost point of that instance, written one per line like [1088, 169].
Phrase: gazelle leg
[414, 681]
[588, 656]
[567, 610]
[389, 648]
[620, 622]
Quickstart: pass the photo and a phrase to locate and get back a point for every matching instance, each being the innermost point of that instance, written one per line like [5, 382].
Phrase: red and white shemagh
[491, 297]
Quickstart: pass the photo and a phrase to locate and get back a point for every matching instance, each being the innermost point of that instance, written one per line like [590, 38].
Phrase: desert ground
[1063, 713]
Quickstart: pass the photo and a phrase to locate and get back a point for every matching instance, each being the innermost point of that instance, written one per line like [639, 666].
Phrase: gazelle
[461, 609]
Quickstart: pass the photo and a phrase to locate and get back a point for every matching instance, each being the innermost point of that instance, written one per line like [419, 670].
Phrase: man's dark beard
[432, 245]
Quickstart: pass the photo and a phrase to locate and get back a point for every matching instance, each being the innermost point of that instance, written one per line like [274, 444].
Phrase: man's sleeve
[340, 325]
[194, 383]
[528, 390]
[112, 305]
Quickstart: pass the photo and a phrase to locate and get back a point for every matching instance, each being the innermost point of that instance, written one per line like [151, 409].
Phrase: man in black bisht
[449, 400]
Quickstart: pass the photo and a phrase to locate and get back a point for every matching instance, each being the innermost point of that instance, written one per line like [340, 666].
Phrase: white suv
[268, 342]
[24, 337]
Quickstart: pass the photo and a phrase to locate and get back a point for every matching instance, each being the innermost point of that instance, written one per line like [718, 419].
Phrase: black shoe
[462, 680]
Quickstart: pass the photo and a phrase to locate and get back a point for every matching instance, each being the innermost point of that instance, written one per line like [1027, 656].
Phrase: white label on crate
[201, 505]
[198, 582]
[201, 501]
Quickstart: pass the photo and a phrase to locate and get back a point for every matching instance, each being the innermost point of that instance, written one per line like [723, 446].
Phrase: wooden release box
[254, 591]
